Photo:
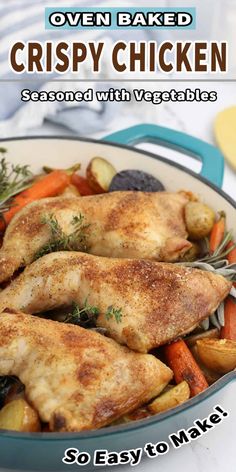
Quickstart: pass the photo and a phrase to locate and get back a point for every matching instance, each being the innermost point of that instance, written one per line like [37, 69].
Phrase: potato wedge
[217, 354]
[174, 397]
[213, 333]
[70, 191]
[100, 174]
[210, 375]
[18, 415]
[199, 219]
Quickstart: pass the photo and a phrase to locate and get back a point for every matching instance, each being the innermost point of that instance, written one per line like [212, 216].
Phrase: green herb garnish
[217, 263]
[60, 241]
[13, 179]
[113, 312]
[85, 317]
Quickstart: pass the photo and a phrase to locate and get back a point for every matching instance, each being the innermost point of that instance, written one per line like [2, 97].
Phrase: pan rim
[132, 149]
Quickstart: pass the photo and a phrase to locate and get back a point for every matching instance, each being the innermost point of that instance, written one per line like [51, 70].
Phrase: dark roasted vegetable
[135, 180]
[10, 387]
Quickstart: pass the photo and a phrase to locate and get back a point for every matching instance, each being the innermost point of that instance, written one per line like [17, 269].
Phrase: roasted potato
[217, 354]
[70, 191]
[174, 397]
[100, 174]
[210, 375]
[199, 219]
[213, 333]
[18, 415]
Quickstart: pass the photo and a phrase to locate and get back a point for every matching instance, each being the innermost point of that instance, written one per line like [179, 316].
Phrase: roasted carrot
[217, 233]
[49, 186]
[184, 366]
[229, 329]
[82, 185]
[232, 254]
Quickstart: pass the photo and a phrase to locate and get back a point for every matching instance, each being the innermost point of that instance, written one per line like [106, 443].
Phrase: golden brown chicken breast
[141, 303]
[76, 379]
[121, 224]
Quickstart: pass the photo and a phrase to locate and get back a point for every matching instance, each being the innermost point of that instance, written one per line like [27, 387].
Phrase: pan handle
[211, 158]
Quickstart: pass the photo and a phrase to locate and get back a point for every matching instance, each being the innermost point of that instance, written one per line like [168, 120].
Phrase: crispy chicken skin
[159, 301]
[76, 379]
[122, 224]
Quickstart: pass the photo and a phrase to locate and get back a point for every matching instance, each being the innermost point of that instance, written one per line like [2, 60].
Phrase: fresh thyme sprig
[13, 179]
[85, 317]
[60, 241]
[114, 313]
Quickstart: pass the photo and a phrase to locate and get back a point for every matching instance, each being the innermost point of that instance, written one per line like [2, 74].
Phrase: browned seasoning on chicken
[120, 224]
[157, 301]
[75, 378]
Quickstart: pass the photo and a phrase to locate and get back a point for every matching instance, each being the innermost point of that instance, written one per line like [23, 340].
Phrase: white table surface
[216, 450]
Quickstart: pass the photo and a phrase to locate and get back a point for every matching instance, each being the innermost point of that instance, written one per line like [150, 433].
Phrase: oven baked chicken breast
[121, 224]
[154, 302]
[76, 379]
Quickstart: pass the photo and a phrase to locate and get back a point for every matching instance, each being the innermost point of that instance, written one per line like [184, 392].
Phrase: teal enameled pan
[44, 451]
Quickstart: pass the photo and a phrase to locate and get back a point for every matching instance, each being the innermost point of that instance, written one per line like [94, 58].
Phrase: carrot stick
[184, 366]
[82, 185]
[49, 186]
[228, 331]
[232, 254]
[217, 233]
